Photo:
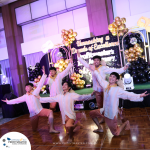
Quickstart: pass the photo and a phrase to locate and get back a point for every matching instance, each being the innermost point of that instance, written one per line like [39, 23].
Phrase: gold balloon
[114, 33]
[65, 66]
[44, 87]
[139, 49]
[66, 32]
[39, 77]
[134, 50]
[136, 45]
[35, 80]
[125, 30]
[129, 59]
[143, 57]
[73, 38]
[114, 30]
[77, 82]
[114, 25]
[42, 90]
[118, 23]
[121, 27]
[70, 35]
[74, 33]
[67, 61]
[120, 33]
[60, 67]
[136, 57]
[133, 59]
[74, 82]
[65, 37]
[62, 61]
[110, 27]
[78, 86]
[138, 53]
[126, 51]
[71, 30]
[81, 86]
[63, 30]
[131, 49]
[55, 65]
[131, 55]
[117, 19]
[123, 20]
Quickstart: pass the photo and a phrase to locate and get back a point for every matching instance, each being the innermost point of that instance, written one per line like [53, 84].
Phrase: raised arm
[15, 101]
[49, 99]
[77, 97]
[108, 70]
[41, 83]
[131, 96]
[101, 81]
[66, 71]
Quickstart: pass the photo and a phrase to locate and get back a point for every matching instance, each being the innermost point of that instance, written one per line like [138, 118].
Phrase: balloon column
[118, 27]
[68, 36]
[34, 72]
[61, 64]
[77, 81]
[133, 53]
[139, 71]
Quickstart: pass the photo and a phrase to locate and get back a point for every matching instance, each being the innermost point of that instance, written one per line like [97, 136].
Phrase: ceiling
[5, 2]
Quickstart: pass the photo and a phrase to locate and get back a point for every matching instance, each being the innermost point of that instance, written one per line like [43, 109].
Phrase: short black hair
[68, 82]
[98, 57]
[115, 74]
[52, 68]
[29, 84]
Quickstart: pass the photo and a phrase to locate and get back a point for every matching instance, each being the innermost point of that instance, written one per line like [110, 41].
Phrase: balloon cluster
[68, 36]
[77, 81]
[61, 64]
[131, 39]
[34, 71]
[133, 53]
[139, 71]
[118, 27]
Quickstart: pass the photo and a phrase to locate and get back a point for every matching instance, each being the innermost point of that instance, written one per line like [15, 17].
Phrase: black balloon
[141, 75]
[137, 81]
[138, 62]
[133, 67]
[135, 77]
[146, 71]
[142, 67]
[134, 72]
[37, 64]
[138, 71]
[144, 80]
[137, 67]
[148, 77]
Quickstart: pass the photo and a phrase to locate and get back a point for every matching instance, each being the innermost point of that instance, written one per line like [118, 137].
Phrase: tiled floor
[85, 139]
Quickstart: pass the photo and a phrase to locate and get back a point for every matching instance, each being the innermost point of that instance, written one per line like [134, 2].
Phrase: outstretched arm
[48, 99]
[66, 71]
[15, 101]
[131, 96]
[41, 83]
[77, 97]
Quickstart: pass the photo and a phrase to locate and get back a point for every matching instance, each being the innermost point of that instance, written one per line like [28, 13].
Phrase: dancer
[55, 81]
[66, 102]
[109, 112]
[35, 108]
[103, 70]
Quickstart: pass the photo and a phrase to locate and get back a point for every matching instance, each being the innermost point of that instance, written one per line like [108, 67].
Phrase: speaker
[90, 105]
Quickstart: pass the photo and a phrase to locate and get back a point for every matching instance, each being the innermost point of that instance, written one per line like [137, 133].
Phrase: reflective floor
[137, 138]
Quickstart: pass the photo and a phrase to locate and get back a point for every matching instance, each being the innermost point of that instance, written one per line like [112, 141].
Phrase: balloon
[66, 32]
[117, 19]
[35, 80]
[123, 20]
[146, 71]
[131, 55]
[126, 51]
[81, 86]
[137, 81]
[136, 45]
[144, 80]
[137, 67]
[110, 27]
[74, 82]
[44, 87]
[59, 54]
[133, 67]
[118, 23]
[114, 25]
[141, 75]
[135, 77]
[39, 77]
[129, 59]
[74, 33]
[134, 72]
[120, 33]
[121, 27]
[114, 33]
[141, 67]
[133, 59]
[73, 38]
[137, 62]
[125, 30]
[70, 35]
[131, 49]
[42, 90]
[148, 77]
[141, 50]
[63, 30]
[138, 54]
[78, 86]
[71, 30]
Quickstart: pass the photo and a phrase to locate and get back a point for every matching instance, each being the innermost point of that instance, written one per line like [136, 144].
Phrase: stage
[137, 138]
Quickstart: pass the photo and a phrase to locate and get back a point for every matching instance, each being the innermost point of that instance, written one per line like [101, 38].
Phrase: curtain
[5, 69]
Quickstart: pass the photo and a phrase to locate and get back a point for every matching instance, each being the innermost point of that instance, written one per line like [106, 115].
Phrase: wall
[132, 10]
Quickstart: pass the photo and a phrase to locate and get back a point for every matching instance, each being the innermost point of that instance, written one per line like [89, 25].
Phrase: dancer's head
[97, 60]
[114, 77]
[66, 85]
[52, 71]
[29, 87]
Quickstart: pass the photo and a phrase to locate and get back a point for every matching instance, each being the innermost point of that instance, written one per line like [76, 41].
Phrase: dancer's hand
[43, 69]
[144, 94]
[78, 53]
[126, 67]
[93, 93]
[5, 100]
[92, 67]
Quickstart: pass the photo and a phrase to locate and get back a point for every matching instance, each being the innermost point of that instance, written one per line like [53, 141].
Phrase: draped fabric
[5, 69]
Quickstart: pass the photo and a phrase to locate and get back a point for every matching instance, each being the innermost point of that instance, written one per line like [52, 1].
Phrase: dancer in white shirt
[103, 70]
[109, 112]
[55, 82]
[35, 108]
[66, 103]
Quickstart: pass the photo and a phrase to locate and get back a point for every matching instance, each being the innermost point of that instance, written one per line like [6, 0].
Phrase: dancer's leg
[34, 122]
[99, 99]
[53, 106]
[95, 114]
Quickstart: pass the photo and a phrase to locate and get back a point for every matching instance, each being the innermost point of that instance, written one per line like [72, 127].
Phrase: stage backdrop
[105, 46]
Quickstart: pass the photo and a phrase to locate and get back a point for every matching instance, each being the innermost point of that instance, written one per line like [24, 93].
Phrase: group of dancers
[107, 97]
